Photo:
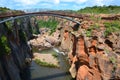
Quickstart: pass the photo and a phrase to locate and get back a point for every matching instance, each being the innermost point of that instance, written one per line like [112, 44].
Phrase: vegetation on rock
[89, 30]
[22, 36]
[111, 27]
[55, 55]
[4, 46]
[51, 24]
[112, 59]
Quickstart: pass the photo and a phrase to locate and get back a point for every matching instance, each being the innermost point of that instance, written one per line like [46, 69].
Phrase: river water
[38, 72]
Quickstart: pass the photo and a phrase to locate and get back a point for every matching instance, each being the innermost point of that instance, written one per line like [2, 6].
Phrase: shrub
[88, 33]
[55, 55]
[22, 36]
[4, 46]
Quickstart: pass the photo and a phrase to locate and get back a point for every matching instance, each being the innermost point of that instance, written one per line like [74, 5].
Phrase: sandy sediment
[46, 58]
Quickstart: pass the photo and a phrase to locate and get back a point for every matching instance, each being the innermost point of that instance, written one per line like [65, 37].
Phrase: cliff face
[93, 57]
[15, 54]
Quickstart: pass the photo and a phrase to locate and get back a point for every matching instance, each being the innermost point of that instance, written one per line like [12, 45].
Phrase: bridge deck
[53, 13]
[60, 15]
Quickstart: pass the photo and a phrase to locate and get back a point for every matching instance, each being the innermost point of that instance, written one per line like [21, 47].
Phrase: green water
[47, 51]
[45, 73]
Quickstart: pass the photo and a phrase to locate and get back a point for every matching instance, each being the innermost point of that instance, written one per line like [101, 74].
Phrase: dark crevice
[109, 43]
[74, 45]
[76, 27]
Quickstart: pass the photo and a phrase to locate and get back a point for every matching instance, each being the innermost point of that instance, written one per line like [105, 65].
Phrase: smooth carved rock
[105, 67]
[48, 45]
[66, 43]
[101, 46]
[83, 73]
[100, 40]
[80, 46]
[44, 41]
[73, 71]
[51, 40]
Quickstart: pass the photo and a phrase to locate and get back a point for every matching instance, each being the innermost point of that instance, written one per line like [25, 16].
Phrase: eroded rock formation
[91, 58]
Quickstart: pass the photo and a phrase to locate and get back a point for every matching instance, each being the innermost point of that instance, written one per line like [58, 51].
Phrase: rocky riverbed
[45, 41]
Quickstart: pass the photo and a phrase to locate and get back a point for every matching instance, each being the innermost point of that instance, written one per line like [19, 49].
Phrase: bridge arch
[13, 17]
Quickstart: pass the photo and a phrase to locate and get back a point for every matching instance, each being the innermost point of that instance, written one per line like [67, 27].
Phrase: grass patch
[45, 64]
[89, 30]
[112, 60]
[111, 27]
[55, 55]
[88, 33]
[51, 24]
[96, 19]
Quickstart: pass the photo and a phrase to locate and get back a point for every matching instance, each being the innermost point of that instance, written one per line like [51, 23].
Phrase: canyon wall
[15, 52]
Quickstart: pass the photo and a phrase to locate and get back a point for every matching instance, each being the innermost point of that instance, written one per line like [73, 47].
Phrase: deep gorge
[92, 55]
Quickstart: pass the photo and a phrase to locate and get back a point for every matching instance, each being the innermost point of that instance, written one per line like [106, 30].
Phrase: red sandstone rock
[92, 61]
